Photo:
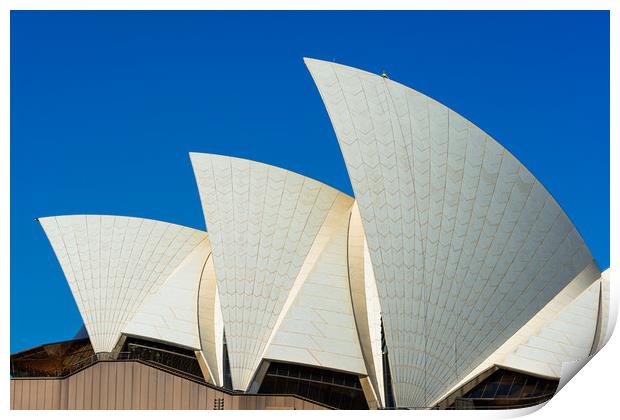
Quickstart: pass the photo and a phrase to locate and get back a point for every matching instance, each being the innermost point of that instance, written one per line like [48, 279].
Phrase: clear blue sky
[105, 107]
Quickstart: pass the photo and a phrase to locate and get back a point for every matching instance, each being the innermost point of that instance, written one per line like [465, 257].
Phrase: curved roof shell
[263, 222]
[114, 264]
[466, 244]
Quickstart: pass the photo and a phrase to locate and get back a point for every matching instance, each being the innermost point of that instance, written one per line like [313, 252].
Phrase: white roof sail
[466, 244]
[113, 263]
[262, 222]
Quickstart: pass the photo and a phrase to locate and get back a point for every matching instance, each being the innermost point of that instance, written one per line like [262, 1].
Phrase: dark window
[335, 389]
[508, 389]
[226, 366]
[52, 360]
[387, 374]
[178, 359]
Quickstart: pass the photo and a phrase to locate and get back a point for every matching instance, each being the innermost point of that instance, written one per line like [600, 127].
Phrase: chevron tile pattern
[262, 222]
[113, 264]
[466, 245]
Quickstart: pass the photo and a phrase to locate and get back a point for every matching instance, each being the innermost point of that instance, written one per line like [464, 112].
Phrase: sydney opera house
[451, 280]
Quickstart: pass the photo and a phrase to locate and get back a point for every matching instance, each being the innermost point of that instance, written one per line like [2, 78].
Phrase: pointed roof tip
[309, 61]
[312, 63]
[196, 155]
[211, 156]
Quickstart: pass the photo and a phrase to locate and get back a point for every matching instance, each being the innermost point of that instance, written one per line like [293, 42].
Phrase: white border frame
[591, 395]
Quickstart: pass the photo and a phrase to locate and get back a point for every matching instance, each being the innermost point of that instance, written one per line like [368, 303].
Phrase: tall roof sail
[466, 245]
[262, 222]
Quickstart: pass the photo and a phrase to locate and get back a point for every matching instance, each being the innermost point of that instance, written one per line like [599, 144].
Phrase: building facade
[451, 280]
